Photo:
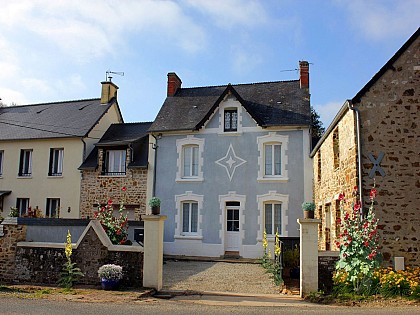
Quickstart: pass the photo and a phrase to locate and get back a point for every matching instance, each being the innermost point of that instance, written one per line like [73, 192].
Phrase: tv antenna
[108, 77]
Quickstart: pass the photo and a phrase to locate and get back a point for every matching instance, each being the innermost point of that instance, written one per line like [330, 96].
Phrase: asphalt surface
[184, 305]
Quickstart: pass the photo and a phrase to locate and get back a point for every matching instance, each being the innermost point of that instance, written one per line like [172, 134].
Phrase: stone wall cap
[151, 217]
[310, 221]
[328, 253]
[10, 221]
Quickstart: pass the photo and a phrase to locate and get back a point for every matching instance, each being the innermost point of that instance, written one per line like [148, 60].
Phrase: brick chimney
[109, 91]
[174, 82]
[304, 74]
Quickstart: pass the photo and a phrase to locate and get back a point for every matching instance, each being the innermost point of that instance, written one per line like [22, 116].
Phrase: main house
[375, 139]
[41, 148]
[229, 162]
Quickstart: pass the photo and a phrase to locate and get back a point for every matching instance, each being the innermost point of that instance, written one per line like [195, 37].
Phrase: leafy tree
[317, 128]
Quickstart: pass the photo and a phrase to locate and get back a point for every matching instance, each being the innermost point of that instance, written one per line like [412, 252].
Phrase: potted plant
[308, 210]
[110, 276]
[154, 203]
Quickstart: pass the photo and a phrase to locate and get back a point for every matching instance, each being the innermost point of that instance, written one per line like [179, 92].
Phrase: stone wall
[41, 263]
[326, 268]
[98, 188]
[335, 171]
[12, 234]
[390, 116]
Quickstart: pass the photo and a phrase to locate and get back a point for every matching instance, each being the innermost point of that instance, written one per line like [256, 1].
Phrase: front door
[232, 235]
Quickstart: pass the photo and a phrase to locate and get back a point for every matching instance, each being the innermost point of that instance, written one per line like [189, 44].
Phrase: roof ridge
[51, 103]
[239, 84]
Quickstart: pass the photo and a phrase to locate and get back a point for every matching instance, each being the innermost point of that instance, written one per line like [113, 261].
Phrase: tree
[317, 129]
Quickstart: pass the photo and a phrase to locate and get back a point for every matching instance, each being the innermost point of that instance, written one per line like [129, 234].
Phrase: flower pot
[308, 214]
[109, 284]
[156, 210]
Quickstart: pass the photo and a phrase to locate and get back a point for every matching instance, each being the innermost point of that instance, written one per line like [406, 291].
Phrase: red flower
[355, 188]
[110, 201]
[366, 243]
[338, 220]
[373, 193]
[357, 205]
[124, 188]
[341, 196]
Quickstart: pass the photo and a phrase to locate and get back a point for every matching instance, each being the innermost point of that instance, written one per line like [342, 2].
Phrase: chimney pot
[174, 83]
[304, 74]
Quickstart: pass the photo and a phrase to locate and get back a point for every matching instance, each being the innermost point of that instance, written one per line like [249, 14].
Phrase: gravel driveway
[217, 276]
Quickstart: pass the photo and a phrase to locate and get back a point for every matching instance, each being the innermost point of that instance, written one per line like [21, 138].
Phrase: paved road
[187, 305]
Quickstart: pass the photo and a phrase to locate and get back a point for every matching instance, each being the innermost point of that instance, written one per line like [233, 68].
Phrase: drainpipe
[84, 150]
[359, 151]
[154, 147]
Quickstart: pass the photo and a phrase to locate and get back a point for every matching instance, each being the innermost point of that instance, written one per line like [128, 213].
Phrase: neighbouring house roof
[357, 98]
[269, 103]
[4, 193]
[387, 66]
[51, 120]
[128, 134]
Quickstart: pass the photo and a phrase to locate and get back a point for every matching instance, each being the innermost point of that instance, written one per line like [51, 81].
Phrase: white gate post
[153, 251]
[308, 255]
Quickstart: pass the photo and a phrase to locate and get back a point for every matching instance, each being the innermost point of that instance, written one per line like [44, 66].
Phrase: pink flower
[373, 193]
[357, 205]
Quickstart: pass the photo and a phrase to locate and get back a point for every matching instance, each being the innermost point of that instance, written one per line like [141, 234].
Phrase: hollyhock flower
[373, 193]
[341, 196]
[124, 188]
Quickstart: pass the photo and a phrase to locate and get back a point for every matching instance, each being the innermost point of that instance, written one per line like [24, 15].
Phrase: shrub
[110, 272]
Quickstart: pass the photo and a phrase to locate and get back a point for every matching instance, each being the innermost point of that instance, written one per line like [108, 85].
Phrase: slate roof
[269, 103]
[51, 120]
[134, 134]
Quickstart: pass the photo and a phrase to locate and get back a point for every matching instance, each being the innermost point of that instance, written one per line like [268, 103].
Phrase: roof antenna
[109, 78]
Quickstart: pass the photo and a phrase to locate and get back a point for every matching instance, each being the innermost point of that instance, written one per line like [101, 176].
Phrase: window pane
[1, 163]
[234, 117]
[194, 217]
[194, 161]
[268, 159]
[268, 218]
[230, 214]
[277, 159]
[227, 120]
[277, 218]
[185, 217]
[236, 215]
[187, 161]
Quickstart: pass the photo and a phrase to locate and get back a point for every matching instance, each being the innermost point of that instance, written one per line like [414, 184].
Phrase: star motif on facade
[230, 162]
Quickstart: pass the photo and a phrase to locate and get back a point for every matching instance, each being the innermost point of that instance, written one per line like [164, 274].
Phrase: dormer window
[231, 120]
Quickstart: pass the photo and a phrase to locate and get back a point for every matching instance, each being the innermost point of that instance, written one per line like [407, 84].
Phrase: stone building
[117, 170]
[375, 138]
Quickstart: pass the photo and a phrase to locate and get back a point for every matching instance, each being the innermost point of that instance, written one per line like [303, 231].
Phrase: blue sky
[54, 50]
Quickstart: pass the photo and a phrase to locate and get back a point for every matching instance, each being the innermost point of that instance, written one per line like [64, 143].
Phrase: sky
[57, 50]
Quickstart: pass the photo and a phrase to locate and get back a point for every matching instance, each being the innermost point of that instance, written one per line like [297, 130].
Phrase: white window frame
[272, 215]
[190, 204]
[181, 144]
[109, 159]
[273, 156]
[48, 208]
[24, 164]
[230, 103]
[273, 197]
[192, 161]
[272, 139]
[1, 162]
[59, 171]
[179, 201]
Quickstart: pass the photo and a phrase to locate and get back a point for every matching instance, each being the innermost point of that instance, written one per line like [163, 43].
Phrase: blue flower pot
[109, 284]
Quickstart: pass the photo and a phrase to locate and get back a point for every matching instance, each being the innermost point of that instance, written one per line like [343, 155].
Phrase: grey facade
[241, 168]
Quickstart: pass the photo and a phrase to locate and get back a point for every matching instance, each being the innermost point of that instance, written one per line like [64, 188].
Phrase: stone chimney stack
[174, 83]
[109, 91]
[304, 74]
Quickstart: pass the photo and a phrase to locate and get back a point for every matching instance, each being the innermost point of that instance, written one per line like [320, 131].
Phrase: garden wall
[41, 262]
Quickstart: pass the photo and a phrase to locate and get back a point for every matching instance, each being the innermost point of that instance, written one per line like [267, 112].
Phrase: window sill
[188, 237]
[230, 133]
[55, 176]
[29, 177]
[189, 180]
[272, 179]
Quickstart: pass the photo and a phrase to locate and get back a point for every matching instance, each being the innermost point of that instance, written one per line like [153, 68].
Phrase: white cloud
[379, 20]
[328, 111]
[9, 96]
[229, 13]
[244, 61]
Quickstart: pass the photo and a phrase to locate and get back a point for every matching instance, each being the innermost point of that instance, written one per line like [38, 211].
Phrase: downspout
[359, 151]
[154, 147]
[84, 150]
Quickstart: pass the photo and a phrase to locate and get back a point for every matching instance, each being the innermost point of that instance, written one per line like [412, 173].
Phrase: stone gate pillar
[308, 255]
[153, 251]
